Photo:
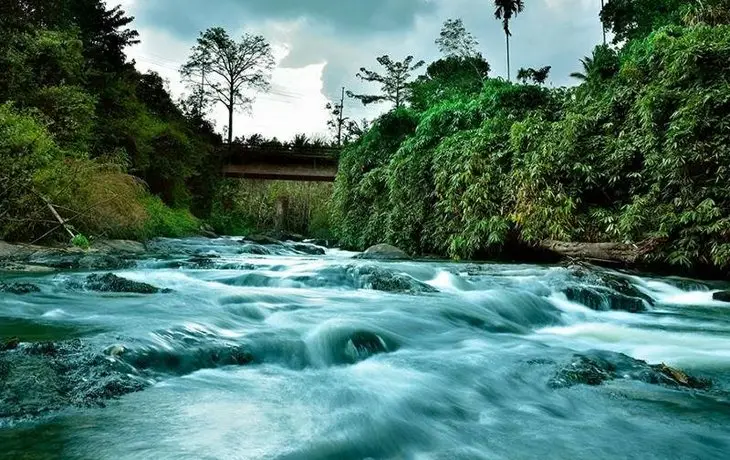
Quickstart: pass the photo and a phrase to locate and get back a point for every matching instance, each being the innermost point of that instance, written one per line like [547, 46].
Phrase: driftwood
[57, 216]
[601, 253]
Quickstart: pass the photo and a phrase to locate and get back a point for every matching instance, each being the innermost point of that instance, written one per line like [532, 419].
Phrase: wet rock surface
[255, 249]
[596, 367]
[63, 374]
[722, 296]
[110, 282]
[368, 276]
[308, 249]
[384, 252]
[603, 291]
[264, 240]
[19, 288]
[604, 299]
[107, 255]
[44, 377]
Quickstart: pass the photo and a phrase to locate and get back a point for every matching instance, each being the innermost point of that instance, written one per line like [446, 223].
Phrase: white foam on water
[446, 281]
[55, 313]
[698, 298]
[652, 345]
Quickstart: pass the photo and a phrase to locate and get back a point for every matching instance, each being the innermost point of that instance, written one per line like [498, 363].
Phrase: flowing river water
[255, 352]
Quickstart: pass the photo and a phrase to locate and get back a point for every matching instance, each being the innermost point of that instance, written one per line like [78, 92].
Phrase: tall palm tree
[603, 26]
[505, 11]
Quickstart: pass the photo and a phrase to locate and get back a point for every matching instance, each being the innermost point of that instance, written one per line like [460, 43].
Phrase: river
[283, 355]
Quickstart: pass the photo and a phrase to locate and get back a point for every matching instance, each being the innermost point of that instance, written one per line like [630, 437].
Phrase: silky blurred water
[463, 374]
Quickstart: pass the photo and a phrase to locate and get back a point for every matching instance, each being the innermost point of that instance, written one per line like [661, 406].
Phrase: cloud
[345, 16]
[327, 41]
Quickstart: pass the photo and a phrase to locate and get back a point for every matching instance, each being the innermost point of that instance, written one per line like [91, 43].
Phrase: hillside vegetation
[82, 129]
[639, 152]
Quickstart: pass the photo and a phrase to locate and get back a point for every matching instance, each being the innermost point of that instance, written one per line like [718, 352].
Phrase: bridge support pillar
[282, 209]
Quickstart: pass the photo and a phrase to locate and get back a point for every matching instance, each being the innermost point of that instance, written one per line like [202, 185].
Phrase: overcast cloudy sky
[322, 43]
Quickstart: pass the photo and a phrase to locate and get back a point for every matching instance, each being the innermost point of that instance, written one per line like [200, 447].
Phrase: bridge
[309, 164]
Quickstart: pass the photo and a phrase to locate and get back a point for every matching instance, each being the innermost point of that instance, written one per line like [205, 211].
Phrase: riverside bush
[244, 206]
[638, 153]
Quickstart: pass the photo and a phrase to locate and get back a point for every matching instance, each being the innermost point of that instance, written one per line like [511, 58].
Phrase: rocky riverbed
[261, 348]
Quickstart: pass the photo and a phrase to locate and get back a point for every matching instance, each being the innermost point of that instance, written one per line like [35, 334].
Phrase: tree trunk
[230, 126]
[509, 74]
[603, 26]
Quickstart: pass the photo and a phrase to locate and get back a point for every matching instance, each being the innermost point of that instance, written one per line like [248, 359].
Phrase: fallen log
[599, 253]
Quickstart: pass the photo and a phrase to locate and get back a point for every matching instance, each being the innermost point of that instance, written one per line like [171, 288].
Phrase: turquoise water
[342, 371]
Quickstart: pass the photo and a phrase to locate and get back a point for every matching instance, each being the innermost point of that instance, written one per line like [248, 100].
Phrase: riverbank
[636, 155]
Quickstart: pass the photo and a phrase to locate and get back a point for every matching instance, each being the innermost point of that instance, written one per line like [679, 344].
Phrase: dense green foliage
[242, 206]
[639, 152]
[82, 129]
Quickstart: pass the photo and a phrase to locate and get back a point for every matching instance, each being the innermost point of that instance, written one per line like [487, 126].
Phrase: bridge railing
[237, 153]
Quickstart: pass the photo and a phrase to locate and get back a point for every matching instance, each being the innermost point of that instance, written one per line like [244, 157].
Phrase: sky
[321, 44]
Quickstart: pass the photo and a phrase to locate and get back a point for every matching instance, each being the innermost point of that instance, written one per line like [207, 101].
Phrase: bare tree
[455, 41]
[224, 68]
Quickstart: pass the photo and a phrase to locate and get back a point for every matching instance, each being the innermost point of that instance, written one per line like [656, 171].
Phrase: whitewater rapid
[286, 355]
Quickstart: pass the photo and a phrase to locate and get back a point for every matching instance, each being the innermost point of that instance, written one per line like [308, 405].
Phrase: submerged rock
[349, 345]
[602, 291]
[603, 299]
[18, 288]
[44, 377]
[255, 249]
[38, 378]
[597, 367]
[113, 283]
[262, 240]
[364, 344]
[383, 252]
[320, 242]
[308, 249]
[380, 279]
[722, 296]
[203, 262]
[184, 360]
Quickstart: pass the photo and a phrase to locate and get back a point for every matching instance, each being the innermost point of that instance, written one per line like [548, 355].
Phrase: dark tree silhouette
[537, 76]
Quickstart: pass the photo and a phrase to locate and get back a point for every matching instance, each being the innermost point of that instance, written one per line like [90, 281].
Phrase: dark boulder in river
[113, 283]
[380, 279]
[44, 377]
[603, 291]
[308, 249]
[603, 299]
[262, 239]
[722, 296]
[597, 366]
[384, 252]
[18, 288]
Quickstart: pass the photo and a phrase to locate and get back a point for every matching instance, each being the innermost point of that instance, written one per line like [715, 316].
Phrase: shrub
[80, 241]
[25, 148]
[164, 221]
